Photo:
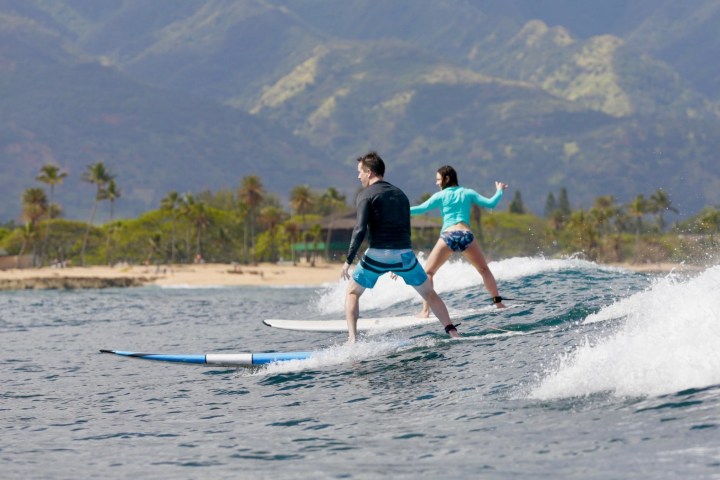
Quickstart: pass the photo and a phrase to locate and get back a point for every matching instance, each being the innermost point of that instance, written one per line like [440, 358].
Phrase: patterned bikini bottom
[458, 240]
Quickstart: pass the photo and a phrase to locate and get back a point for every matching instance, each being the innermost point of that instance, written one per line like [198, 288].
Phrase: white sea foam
[669, 341]
[455, 275]
[338, 354]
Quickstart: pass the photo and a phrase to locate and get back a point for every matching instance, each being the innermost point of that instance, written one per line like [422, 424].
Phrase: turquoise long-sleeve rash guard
[454, 204]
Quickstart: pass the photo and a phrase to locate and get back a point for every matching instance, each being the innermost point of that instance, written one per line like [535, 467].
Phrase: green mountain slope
[602, 98]
[424, 115]
[57, 109]
[219, 50]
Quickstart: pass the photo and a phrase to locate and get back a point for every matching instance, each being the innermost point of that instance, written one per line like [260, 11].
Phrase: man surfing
[383, 213]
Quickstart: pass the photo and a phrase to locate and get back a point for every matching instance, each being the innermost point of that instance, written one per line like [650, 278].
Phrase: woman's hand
[500, 186]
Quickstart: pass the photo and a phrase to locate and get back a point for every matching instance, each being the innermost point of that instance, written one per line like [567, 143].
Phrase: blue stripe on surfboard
[240, 359]
[262, 358]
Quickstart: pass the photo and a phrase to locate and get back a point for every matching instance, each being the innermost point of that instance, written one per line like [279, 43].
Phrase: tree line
[246, 225]
[249, 224]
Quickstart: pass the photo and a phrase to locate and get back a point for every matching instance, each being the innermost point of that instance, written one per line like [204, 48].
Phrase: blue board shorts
[378, 262]
[458, 240]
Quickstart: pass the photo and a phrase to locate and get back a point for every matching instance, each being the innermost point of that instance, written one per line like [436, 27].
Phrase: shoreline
[218, 274]
[210, 274]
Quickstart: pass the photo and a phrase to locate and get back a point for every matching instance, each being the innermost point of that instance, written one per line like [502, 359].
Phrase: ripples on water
[611, 375]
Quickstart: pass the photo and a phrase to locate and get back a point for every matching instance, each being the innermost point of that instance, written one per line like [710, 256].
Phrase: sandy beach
[264, 274]
[267, 274]
[175, 275]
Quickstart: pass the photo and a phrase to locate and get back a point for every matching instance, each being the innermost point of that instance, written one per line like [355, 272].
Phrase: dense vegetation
[250, 225]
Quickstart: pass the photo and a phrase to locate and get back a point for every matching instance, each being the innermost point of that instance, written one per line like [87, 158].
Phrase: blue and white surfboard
[219, 359]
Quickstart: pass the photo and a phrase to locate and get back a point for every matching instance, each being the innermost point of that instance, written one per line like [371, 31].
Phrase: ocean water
[592, 372]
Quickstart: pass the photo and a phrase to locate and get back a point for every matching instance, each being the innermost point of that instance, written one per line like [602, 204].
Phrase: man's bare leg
[352, 308]
[425, 312]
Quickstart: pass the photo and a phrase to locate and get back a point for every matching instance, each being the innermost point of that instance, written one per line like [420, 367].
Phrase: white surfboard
[363, 325]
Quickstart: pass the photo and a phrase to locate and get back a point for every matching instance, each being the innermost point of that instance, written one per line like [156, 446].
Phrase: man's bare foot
[500, 305]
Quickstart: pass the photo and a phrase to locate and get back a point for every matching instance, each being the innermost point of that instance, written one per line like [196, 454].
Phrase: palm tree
[51, 175]
[292, 229]
[301, 200]
[98, 175]
[602, 211]
[660, 203]
[251, 194]
[29, 235]
[171, 204]
[271, 216]
[637, 208]
[153, 246]
[111, 193]
[197, 213]
[34, 205]
[583, 232]
[316, 232]
[330, 200]
[34, 208]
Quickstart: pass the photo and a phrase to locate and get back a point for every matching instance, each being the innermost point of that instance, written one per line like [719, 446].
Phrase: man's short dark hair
[372, 161]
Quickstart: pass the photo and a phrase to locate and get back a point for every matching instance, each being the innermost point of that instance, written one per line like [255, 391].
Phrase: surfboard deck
[373, 324]
[218, 359]
[364, 324]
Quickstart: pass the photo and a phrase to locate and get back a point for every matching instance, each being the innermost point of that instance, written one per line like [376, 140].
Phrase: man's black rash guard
[383, 212]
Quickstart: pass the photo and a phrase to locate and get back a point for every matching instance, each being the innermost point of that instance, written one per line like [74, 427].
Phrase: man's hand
[344, 272]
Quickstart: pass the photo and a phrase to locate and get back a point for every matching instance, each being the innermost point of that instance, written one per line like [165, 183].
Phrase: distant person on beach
[383, 213]
[454, 203]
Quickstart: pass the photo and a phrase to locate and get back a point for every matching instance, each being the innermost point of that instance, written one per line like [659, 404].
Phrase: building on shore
[8, 262]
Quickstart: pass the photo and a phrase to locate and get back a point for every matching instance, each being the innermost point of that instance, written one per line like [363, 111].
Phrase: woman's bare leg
[438, 256]
[475, 256]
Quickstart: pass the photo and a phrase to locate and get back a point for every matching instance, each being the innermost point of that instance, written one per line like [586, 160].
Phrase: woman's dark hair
[373, 162]
[448, 177]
